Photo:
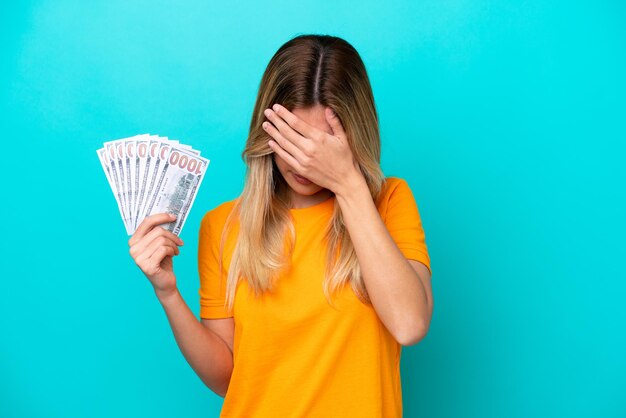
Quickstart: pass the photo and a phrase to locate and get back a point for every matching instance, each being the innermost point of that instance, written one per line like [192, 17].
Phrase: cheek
[280, 163]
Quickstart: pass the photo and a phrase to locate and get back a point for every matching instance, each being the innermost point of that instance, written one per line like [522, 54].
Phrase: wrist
[351, 185]
[166, 296]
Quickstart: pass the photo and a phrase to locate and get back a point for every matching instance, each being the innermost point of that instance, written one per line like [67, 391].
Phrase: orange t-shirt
[294, 355]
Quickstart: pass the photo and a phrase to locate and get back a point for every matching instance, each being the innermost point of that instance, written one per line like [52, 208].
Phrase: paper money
[150, 174]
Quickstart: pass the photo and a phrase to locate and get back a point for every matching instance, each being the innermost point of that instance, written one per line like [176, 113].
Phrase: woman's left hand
[323, 158]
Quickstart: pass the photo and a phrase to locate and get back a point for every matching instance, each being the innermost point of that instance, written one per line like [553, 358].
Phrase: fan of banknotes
[150, 174]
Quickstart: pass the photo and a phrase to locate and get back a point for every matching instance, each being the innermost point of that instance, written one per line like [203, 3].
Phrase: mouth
[300, 179]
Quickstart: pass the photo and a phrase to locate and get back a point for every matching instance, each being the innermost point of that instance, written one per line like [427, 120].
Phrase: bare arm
[399, 289]
[205, 351]
[153, 247]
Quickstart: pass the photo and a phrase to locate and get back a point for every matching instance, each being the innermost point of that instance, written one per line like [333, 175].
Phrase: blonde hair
[305, 71]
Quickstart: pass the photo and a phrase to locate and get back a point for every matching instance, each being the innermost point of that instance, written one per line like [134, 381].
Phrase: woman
[313, 279]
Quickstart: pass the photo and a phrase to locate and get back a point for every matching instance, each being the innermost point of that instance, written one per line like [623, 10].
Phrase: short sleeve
[404, 223]
[212, 290]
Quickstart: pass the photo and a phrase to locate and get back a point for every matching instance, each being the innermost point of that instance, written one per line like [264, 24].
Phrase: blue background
[507, 118]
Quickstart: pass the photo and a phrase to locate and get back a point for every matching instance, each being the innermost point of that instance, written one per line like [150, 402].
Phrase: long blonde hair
[305, 71]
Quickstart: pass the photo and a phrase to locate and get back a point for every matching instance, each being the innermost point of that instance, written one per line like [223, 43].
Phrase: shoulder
[217, 216]
[394, 182]
[395, 196]
[393, 186]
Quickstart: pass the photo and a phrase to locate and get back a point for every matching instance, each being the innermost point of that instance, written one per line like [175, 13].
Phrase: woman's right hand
[152, 247]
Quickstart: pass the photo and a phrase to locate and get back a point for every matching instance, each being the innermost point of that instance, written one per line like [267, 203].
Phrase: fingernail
[275, 107]
[172, 216]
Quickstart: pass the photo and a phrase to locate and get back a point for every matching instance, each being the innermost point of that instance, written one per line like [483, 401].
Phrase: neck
[299, 201]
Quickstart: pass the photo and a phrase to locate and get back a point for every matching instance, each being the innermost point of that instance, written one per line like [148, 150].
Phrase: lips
[301, 180]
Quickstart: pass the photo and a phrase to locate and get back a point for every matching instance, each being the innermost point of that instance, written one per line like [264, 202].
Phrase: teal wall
[508, 119]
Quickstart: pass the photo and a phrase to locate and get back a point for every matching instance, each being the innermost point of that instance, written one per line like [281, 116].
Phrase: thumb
[334, 122]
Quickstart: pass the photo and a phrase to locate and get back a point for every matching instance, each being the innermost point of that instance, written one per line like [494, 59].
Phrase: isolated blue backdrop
[507, 118]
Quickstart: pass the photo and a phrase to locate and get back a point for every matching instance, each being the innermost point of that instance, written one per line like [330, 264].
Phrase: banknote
[151, 174]
[106, 166]
[113, 150]
[177, 184]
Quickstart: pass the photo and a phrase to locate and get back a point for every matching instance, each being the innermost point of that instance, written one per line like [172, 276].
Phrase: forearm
[395, 289]
[207, 354]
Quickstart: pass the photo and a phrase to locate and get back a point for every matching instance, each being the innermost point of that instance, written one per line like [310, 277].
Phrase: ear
[335, 124]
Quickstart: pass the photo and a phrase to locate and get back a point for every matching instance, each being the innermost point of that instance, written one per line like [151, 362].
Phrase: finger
[287, 145]
[138, 247]
[158, 231]
[148, 223]
[334, 122]
[300, 126]
[160, 241]
[154, 246]
[286, 156]
[285, 130]
[154, 262]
